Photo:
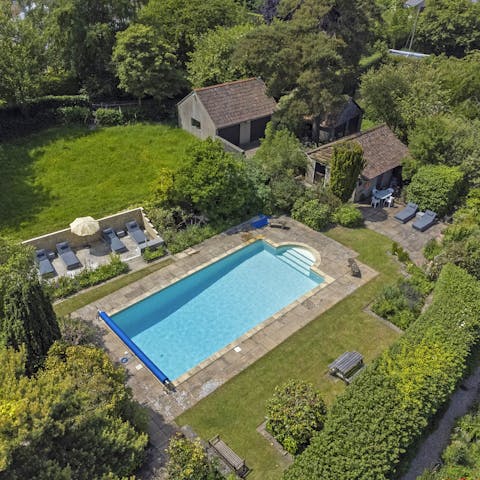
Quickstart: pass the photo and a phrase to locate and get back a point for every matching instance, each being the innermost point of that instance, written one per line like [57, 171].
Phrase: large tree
[146, 64]
[82, 34]
[73, 419]
[23, 58]
[212, 60]
[26, 315]
[182, 22]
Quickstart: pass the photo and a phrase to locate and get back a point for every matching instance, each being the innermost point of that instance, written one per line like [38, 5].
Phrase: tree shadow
[20, 199]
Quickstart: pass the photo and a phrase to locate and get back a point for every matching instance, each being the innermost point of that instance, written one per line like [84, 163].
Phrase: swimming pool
[185, 323]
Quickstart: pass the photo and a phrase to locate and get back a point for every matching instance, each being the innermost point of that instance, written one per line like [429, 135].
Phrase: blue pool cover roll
[148, 363]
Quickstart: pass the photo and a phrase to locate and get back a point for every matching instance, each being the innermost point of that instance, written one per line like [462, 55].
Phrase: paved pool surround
[331, 264]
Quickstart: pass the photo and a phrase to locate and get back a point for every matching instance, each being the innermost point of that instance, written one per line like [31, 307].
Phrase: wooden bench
[232, 459]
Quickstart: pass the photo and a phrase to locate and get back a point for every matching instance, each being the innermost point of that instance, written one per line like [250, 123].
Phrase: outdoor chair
[375, 202]
[115, 244]
[134, 231]
[407, 213]
[425, 221]
[389, 201]
[45, 266]
[70, 260]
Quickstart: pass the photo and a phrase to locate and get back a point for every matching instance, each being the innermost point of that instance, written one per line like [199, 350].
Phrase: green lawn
[237, 408]
[50, 178]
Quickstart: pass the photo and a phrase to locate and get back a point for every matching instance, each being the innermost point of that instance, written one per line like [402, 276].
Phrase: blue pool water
[185, 323]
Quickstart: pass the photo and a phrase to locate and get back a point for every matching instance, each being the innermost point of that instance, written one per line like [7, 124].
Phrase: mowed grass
[50, 178]
[236, 409]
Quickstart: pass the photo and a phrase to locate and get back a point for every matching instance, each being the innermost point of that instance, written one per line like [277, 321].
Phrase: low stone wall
[116, 221]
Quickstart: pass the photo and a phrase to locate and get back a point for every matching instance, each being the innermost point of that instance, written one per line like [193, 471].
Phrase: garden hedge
[388, 407]
[436, 187]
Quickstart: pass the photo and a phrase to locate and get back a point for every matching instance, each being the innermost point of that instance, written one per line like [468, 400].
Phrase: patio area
[96, 254]
[381, 220]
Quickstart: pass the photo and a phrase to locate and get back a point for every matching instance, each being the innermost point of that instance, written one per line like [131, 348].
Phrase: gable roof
[381, 149]
[234, 102]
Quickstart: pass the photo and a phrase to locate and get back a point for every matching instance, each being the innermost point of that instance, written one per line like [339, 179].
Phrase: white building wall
[191, 108]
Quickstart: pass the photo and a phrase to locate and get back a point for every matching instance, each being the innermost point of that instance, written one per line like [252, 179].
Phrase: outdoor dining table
[383, 194]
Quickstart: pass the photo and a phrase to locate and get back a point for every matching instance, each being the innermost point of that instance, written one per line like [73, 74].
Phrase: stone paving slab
[381, 220]
[164, 405]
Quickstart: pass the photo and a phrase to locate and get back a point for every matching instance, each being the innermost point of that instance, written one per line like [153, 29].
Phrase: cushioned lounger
[135, 232]
[407, 213]
[425, 221]
[45, 266]
[69, 258]
[116, 245]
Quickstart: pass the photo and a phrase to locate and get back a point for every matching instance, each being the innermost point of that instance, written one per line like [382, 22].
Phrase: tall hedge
[388, 407]
[435, 187]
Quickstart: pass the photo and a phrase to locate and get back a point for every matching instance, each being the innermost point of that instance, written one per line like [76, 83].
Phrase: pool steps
[296, 260]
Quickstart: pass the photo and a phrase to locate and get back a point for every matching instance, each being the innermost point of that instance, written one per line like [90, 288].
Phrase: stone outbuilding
[235, 112]
[382, 150]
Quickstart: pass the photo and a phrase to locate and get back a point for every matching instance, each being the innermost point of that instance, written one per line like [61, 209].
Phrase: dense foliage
[402, 302]
[27, 319]
[388, 407]
[73, 419]
[346, 164]
[88, 277]
[188, 461]
[312, 213]
[348, 216]
[436, 187]
[294, 413]
[461, 459]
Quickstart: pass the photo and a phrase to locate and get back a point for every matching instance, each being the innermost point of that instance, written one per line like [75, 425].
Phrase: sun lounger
[116, 245]
[45, 266]
[425, 221]
[134, 231]
[407, 213]
[66, 254]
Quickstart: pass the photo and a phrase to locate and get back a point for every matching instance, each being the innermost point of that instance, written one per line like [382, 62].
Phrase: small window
[196, 123]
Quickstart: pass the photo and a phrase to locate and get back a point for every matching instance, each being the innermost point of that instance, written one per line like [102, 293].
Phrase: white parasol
[84, 226]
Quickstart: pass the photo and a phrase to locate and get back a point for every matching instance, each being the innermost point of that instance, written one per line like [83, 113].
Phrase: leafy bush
[348, 216]
[312, 213]
[387, 409]
[150, 254]
[179, 240]
[294, 413]
[73, 115]
[188, 461]
[435, 187]
[76, 331]
[66, 286]
[431, 249]
[108, 117]
[400, 252]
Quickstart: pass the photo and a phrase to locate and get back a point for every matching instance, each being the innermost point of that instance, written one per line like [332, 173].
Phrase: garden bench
[232, 459]
[354, 268]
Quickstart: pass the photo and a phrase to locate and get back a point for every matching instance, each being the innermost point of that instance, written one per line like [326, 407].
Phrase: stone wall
[117, 222]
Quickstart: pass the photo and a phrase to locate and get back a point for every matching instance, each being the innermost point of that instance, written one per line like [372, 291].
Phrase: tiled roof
[381, 149]
[235, 102]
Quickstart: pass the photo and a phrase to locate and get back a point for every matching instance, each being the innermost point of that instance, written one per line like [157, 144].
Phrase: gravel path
[432, 447]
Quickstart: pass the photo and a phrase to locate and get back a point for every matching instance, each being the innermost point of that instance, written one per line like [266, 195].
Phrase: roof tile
[236, 102]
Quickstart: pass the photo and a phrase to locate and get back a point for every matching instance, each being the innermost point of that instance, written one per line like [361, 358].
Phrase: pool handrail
[131, 345]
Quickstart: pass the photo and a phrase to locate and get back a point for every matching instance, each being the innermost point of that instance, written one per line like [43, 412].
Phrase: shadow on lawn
[20, 199]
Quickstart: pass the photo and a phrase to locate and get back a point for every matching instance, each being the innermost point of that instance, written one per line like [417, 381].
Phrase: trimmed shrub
[189, 461]
[312, 213]
[348, 216]
[435, 187]
[108, 117]
[294, 413]
[73, 115]
[179, 240]
[151, 254]
[387, 409]
[66, 286]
